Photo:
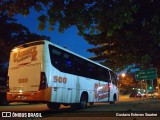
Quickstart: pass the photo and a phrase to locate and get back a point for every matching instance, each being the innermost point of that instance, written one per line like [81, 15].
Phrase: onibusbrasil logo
[18, 114]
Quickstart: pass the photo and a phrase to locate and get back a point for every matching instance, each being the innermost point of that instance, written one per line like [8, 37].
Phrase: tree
[128, 82]
[13, 34]
[123, 32]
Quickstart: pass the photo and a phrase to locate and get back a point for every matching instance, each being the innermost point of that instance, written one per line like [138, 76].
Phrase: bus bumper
[39, 96]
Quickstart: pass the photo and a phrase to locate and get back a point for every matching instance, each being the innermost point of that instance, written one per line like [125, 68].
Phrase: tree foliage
[124, 32]
[13, 34]
[128, 82]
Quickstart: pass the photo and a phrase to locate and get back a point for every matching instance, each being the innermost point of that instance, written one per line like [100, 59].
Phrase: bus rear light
[43, 81]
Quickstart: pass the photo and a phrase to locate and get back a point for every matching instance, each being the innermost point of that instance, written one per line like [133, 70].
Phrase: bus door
[101, 87]
[113, 86]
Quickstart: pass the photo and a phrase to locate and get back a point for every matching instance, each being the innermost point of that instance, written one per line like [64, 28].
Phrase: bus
[41, 71]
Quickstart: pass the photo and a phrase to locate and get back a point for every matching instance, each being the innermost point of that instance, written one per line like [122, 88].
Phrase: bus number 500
[60, 79]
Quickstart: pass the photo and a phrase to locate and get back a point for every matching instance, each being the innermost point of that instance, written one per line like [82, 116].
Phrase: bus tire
[83, 101]
[53, 106]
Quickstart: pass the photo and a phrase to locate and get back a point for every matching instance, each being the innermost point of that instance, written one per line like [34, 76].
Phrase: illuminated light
[69, 62]
[15, 50]
[133, 88]
[20, 91]
[123, 74]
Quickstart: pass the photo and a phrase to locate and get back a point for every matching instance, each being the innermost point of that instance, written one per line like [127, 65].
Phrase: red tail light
[43, 82]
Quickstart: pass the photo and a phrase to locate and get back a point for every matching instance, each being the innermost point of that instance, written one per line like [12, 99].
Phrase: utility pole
[152, 85]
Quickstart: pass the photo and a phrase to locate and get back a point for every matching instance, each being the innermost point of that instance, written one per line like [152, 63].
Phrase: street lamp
[123, 74]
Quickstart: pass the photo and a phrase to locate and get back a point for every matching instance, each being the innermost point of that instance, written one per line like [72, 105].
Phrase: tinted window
[56, 58]
[91, 70]
[69, 63]
[79, 66]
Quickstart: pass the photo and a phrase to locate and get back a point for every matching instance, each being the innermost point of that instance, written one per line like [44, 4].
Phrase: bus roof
[48, 42]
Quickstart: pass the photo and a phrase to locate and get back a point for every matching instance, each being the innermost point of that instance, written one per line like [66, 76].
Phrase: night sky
[69, 38]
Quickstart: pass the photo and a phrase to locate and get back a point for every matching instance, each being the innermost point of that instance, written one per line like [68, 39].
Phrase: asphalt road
[126, 105]
[43, 107]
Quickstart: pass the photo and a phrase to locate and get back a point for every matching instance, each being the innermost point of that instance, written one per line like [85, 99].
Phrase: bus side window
[103, 74]
[79, 66]
[68, 64]
[100, 75]
[56, 59]
[91, 71]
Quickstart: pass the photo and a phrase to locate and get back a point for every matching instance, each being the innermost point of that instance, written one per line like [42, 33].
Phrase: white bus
[41, 71]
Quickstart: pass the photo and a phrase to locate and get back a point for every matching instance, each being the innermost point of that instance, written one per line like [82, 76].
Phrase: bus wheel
[83, 101]
[54, 106]
[91, 103]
